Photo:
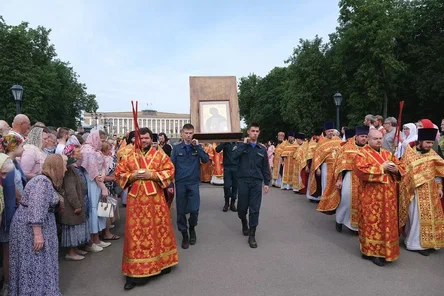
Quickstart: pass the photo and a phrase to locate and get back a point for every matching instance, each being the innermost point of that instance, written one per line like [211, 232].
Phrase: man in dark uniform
[253, 173]
[186, 158]
[230, 174]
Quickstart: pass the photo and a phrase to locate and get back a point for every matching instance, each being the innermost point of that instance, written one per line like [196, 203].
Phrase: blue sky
[146, 50]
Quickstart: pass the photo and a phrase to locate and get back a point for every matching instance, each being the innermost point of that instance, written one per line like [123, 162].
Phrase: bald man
[20, 126]
[378, 202]
[4, 127]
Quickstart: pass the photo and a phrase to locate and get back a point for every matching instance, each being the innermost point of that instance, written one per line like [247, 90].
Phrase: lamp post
[17, 93]
[338, 100]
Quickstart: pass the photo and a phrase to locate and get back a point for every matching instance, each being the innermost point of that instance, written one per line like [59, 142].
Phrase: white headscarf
[413, 136]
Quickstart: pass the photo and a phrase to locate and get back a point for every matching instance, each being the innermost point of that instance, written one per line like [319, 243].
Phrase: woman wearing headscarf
[126, 147]
[6, 166]
[110, 183]
[34, 259]
[13, 189]
[410, 135]
[75, 225]
[94, 165]
[34, 154]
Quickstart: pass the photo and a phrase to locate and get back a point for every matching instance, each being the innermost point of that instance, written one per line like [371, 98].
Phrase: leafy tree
[52, 92]
[308, 96]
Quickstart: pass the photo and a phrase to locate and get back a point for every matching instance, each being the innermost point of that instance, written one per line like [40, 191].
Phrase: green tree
[365, 46]
[52, 92]
[260, 101]
[308, 96]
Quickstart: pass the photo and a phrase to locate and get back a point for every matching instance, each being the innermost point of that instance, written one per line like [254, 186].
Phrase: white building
[119, 123]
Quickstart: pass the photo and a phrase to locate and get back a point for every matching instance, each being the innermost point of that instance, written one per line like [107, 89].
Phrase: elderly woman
[110, 184]
[410, 133]
[6, 166]
[34, 155]
[33, 240]
[75, 225]
[13, 188]
[95, 169]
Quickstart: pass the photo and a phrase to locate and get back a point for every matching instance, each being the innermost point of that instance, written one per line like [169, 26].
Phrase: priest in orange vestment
[308, 159]
[324, 159]
[421, 193]
[287, 158]
[377, 169]
[217, 158]
[341, 196]
[277, 161]
[206, 169]
[150, 245]
[300, 176]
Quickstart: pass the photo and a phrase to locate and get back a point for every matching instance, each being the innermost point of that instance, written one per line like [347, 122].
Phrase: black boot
[338, 227]
[233, 205]
[166, 271]
[252, 238]
[129, 284]
[185, 240]
[192, 236]
[245, 229]
[425, 252]
[376, 260]
[225, 208]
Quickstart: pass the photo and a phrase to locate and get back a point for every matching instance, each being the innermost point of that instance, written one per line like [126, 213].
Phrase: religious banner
[214, 108]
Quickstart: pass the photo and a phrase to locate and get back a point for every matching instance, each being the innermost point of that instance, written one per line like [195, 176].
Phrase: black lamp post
[338, 100]
[17, 93]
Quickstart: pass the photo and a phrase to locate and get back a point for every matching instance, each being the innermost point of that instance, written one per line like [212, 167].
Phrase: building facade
[119, 123]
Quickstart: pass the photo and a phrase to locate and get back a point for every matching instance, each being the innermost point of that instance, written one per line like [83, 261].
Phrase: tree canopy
[382, 52]
[52, 91]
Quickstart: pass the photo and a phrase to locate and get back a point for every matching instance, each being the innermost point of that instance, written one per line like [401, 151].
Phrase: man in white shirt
[62, 138]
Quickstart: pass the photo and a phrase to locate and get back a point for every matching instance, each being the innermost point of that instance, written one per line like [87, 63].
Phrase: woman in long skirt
[34, 247]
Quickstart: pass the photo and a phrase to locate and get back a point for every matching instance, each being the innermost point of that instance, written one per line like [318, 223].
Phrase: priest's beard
[146, 149]
[422, 150]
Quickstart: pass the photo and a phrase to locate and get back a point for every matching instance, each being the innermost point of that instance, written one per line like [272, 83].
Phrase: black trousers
[250, 198]
[230, 183]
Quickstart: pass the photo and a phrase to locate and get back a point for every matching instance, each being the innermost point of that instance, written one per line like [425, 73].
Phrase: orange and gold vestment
[288, 160]
[150, 244]
[377, 205]
[206, 169]
[277, 162]
[325, 152]
[300, 177]
[345, 160]
[218, 163]
[419, 179]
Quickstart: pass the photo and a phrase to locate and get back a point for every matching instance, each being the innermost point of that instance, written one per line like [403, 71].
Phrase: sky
[146, 50]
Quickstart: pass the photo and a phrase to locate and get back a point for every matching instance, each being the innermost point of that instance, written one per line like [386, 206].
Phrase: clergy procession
[383, 184]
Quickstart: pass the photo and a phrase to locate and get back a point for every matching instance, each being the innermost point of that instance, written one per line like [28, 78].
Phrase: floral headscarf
[3, 158]
[9, 143]
[69, 151]
[92, 158]
[35, 137]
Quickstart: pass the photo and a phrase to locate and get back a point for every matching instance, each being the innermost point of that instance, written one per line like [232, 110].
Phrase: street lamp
[17, 92]
[338, 100]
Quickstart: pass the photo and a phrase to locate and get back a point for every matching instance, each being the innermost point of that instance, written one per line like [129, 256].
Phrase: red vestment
[150, 244]
[377, 205]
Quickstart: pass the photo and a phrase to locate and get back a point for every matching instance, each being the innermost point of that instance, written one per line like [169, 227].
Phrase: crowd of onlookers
[52, 180]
